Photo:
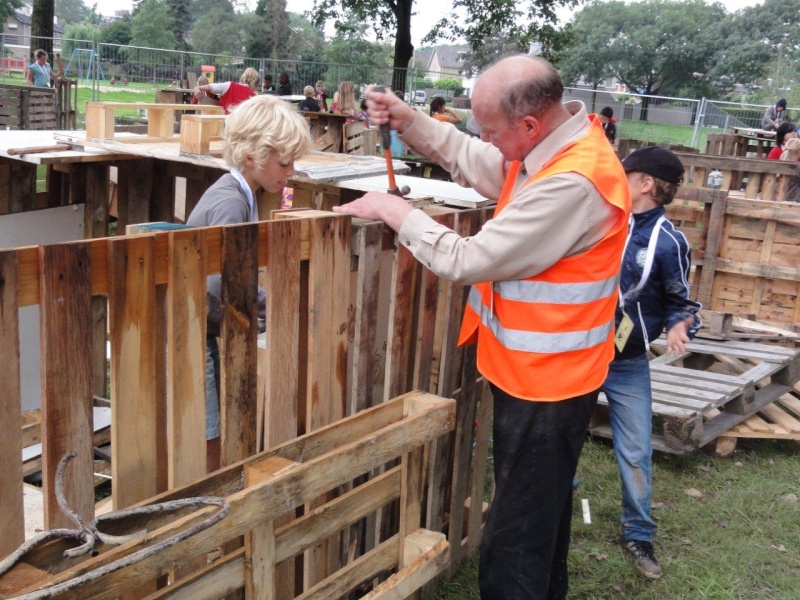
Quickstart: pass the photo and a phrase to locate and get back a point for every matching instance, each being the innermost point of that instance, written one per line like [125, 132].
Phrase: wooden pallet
[260, 491]
[199, 131]
[693, 403]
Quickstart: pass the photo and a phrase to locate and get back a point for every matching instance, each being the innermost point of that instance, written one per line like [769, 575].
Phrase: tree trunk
[42, 27]
[403, 48]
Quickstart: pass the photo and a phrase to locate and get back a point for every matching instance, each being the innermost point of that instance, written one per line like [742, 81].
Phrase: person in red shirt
[230, 93]
[786, 131]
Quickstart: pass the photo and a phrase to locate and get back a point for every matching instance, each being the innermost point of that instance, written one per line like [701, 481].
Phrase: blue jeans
[630, 405]
[212, 388]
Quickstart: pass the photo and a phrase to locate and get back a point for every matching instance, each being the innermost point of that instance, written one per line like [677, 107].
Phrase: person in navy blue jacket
[653, 296]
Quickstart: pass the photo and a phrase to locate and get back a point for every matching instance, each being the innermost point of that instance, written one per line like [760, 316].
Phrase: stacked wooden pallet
[694, 403]
[262, 493]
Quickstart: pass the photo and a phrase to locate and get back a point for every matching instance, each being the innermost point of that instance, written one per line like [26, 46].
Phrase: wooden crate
[198, 132]
[693, 403]
[27, 107]
[260, 491]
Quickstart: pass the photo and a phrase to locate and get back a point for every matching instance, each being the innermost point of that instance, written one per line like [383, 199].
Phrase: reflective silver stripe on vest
[532, 341]
[556, 293]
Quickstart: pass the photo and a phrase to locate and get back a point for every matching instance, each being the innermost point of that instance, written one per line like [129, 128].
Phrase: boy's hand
[678, 336]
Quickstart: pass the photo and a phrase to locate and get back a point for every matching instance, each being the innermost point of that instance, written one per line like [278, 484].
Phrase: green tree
[306, 42]
[658, 47]
[269, 31]
[71, 11]
[117, 32]
[181, 15]
[80, 32]
[151, 26]
[353, 58]
[8, 8]
[220, 31]
[42, 26]
[525, 20]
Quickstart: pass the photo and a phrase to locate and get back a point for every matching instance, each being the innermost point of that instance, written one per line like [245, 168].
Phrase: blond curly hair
[250, 78]
[263, 126]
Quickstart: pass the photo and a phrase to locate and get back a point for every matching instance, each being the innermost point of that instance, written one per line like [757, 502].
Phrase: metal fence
[102, 67]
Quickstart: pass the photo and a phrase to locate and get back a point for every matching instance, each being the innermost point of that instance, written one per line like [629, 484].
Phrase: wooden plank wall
[332, 350]
[744, 252]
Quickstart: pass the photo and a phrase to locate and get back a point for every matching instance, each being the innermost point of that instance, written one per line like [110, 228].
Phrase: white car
[420, 97]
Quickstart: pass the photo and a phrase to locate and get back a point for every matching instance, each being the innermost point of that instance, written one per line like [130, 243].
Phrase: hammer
[386, 140]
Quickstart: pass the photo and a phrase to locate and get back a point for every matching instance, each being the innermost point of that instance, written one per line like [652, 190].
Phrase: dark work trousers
[526, 538]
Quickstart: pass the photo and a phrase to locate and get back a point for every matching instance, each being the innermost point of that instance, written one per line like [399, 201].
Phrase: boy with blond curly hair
[264, 136]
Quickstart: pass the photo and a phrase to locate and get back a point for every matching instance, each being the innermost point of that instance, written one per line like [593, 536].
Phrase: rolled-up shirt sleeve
[558, 216]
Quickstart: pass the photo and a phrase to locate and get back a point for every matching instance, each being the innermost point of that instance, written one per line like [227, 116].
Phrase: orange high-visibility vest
[551, 336]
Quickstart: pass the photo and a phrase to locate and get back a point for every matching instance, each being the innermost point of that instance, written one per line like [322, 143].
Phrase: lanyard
[648, 262]
[251, 201]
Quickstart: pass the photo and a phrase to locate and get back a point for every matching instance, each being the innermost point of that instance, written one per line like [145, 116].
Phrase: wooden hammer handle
[36, 149]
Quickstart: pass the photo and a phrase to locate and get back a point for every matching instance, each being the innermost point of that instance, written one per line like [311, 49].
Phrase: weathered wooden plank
[328, 294]
[283, 331]
[400, 338]
[465, 417]
[12, 517]
[483, 433]
[134, 190]
[365, 380]
[282, 355]
[65, 321]
[409, 579]
[214, 582]
[239, 328]
[132, 321]
[337, 514]
[186, 334]
[427, 317]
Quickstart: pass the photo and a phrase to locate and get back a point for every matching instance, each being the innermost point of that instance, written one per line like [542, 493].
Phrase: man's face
[779, 108]
[502, 134]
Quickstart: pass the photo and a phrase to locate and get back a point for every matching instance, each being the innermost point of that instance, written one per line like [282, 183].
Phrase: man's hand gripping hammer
[386, 142]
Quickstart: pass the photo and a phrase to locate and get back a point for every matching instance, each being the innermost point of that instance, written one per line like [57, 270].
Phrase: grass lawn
[739, 540]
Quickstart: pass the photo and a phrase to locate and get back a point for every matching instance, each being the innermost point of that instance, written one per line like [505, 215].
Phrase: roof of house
[26, 20]
[422, 58]
[450, 57]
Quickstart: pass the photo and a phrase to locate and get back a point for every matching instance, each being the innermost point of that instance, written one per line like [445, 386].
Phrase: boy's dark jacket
[664, 299]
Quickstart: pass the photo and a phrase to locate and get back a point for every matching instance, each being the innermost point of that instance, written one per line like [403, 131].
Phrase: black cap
[656, 161]
[781, 103]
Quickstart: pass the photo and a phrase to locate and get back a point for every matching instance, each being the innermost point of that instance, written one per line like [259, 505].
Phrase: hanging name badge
[623, 332]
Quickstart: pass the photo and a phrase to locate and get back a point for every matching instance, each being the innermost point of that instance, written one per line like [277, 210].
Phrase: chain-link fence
[103, 69]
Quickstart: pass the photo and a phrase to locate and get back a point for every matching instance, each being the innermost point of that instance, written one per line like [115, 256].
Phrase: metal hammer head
[401, 191]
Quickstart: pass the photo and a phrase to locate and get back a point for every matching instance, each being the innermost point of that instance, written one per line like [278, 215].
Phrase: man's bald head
[520, 86]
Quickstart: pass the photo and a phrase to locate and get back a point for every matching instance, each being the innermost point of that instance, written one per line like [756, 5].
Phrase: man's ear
[531, 127]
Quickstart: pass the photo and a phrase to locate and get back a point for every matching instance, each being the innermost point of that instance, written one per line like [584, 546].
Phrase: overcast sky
[427, 12]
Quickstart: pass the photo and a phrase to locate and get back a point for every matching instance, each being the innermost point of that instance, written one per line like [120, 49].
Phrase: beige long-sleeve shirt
[545, 221]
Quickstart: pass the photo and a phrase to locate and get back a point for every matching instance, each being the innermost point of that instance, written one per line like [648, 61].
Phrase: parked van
[420, 97]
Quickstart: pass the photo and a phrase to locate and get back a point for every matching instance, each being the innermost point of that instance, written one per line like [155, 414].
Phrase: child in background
[440, 112]
[263, 137]
[364, 115]
[231, 93]
[653, 296]
[785, 132]
[606, 117]
[791, 153]
[345, 102]
[309, 103]
[321, 96]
